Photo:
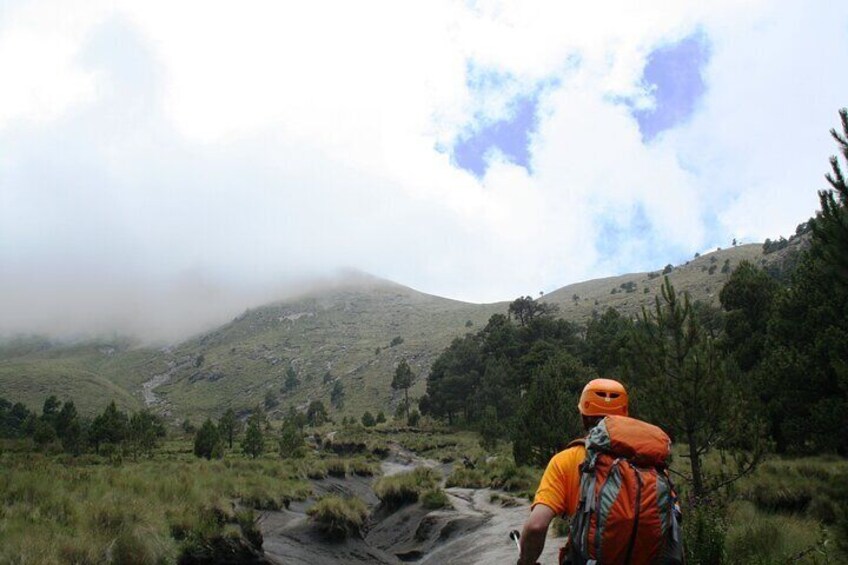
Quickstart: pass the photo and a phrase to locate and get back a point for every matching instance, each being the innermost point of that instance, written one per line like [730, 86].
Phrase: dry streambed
[475, 530]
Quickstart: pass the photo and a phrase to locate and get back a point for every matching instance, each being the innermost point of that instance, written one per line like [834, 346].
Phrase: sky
[167, 164]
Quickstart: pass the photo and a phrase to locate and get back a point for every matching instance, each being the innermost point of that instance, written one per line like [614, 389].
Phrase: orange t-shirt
[559, 488]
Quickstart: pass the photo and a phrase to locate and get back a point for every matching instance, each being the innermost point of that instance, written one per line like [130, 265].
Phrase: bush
[404, 488]
[435, 498]
[338, 517]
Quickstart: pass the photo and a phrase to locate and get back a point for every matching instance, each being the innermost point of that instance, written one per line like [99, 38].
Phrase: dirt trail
[475, 530]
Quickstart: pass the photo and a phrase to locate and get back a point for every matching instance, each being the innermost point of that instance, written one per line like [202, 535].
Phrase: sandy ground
[475, 530]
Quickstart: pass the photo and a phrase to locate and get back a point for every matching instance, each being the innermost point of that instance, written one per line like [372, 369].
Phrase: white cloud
[139, 140]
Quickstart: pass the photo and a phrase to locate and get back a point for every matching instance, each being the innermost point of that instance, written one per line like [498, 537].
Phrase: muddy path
[475, 530]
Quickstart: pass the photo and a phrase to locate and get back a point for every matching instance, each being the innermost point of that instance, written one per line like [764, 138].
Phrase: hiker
[634, 454]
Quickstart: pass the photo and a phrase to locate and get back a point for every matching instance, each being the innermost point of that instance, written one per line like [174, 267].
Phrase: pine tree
[316, 414]
[830, 227]
[291, 441]
[227, 426]
[337, 395]
[688, 388]
[547, 418]
[254, 442]
[207, 441]
[402, 381]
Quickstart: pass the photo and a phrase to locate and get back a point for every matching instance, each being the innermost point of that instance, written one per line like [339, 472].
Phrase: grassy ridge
[90, 374]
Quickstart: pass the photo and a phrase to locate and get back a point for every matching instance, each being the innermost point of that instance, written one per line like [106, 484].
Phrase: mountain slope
[340, 333]
[337, 332]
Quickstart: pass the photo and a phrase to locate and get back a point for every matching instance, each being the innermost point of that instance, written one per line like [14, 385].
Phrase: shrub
[507, 476]
[338, 517]
[435, 498]
[396, 490]
[368, 420]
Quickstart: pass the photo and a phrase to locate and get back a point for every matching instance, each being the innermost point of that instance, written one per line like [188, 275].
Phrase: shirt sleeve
[559, 488]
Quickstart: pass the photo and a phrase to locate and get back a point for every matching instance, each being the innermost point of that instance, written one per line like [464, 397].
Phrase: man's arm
[534, 534]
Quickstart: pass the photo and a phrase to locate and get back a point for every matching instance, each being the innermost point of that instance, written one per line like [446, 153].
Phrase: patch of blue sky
[674, 78]
[509, 136]
[503, 125]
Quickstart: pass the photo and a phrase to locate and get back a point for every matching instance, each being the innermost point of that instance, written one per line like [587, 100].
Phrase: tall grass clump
[757, 537]
[467, 478]
[339, 517]
[404, 488]
[704, 531]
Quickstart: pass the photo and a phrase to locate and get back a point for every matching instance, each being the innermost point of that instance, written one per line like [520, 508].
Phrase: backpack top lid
[642, 443]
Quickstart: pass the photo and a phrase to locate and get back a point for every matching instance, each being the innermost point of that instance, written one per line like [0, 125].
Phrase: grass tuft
[339, 517]
[404, 488]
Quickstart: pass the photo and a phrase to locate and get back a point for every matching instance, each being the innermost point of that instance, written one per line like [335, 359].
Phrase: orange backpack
[628, 510]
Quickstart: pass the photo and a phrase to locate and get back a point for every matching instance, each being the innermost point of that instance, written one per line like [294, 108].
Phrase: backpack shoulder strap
[576, 442]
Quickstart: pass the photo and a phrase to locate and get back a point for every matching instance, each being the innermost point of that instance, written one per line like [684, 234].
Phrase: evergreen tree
[402, 380]
[145, 431]
[689, 389]
[525, 309]
[44, 432]
[254, 442]
[804, 376]
[291, 382]
[830, 227]
[109, 427]
[207, 441]
[227, 426]
[50, 410]
[291, 441]
[337, 395]
[606, 343]
[368, 420]
[548, 418]
[747, 298]
[316, 414]
[65, 418]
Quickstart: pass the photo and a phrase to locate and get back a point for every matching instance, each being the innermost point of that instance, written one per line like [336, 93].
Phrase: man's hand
[533, 536]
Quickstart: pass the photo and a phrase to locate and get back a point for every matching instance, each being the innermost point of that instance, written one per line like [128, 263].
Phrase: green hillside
[702, 277]
[91, 373]
[342, 332]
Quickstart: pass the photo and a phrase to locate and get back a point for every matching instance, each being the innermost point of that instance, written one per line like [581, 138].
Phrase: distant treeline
[109, 432]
